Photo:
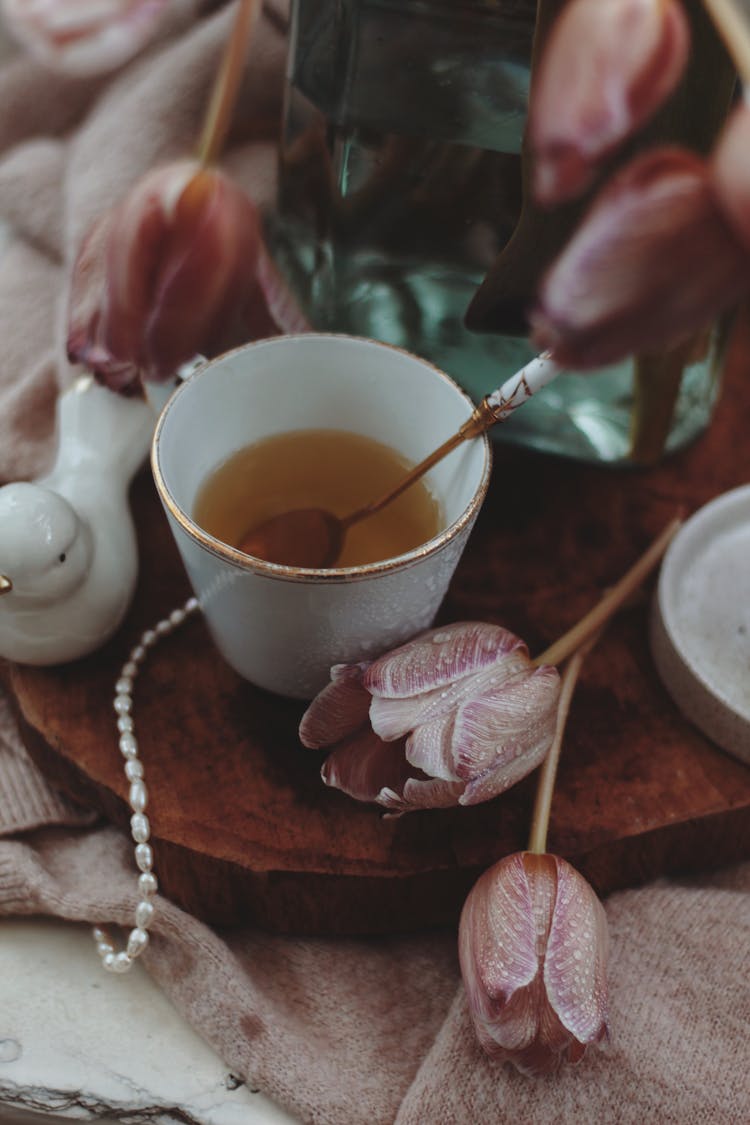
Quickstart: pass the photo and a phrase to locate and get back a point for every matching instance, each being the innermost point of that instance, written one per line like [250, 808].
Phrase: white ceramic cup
[283, 627]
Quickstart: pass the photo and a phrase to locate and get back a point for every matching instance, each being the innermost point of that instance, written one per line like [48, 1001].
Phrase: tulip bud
[653, 261]
[177, 268]
[608, 65]
[533, 952]
[455, 716]
[85, 37]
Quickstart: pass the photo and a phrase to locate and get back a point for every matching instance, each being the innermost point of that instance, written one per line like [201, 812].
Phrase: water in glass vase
[400, 182]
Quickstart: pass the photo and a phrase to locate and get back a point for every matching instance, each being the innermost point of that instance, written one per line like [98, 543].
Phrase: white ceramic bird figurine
[68, 551]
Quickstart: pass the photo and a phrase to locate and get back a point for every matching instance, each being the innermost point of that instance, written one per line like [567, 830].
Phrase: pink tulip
[533, 951]
[608, 65]
[86, 36]
[454, 717]
[653, 262]
[730, 170]
[178, 268]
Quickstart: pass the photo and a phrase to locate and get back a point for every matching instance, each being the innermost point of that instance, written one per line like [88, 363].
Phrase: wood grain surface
[243, 828]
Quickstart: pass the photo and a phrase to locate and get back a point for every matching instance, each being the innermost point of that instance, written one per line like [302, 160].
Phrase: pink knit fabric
[339, 1032]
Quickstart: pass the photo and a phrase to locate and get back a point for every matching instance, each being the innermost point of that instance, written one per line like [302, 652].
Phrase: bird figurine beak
[5, 584]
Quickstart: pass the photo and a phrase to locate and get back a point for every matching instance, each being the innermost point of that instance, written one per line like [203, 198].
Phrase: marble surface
[78, 1044]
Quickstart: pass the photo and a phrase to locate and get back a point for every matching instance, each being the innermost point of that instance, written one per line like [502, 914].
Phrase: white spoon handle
[521, 386]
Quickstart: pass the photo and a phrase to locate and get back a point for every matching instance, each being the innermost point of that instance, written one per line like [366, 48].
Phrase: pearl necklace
[121, 962]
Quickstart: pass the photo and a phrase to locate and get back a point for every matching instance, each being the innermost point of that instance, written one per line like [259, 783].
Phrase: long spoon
[313, 537]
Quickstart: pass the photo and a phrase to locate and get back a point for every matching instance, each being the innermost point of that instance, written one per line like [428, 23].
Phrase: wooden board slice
[243, 828]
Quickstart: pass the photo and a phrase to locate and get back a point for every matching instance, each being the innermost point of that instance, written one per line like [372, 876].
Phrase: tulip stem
[566, 645]
[573, 647]
[226, 86]
[733, 25]
[546, 785]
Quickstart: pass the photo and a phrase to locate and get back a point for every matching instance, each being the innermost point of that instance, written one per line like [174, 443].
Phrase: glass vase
[402, 173]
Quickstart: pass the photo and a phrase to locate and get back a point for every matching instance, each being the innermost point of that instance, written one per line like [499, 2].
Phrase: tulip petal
[730, 171]
[393, 718]
[607, 66]
[417, 793]
[85, 344]
[496, 779]
[575, 968]
[497, 946]
[85, 292]
[502, 735]
[653, 262]
[363, 766]
[438, 658]
[541, 1041]
[452, 665]
[338, 710]
[429, 748]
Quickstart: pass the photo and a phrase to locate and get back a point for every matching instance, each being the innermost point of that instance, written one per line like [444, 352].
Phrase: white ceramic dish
[700, 621]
